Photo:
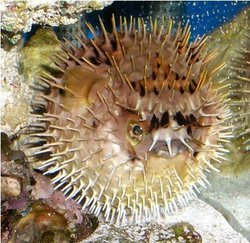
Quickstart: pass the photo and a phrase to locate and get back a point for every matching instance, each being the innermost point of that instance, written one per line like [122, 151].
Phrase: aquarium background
[222, 211]
[204, 16]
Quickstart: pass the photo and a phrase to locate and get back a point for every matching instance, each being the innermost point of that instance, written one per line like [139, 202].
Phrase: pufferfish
[131, 124]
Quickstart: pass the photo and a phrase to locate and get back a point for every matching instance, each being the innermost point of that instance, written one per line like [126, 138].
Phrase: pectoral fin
[80, 86]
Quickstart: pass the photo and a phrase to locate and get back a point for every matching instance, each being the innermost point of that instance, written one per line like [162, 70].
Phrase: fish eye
[135, 132]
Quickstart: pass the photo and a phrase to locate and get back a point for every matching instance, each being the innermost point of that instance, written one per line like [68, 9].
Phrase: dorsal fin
[81, 85]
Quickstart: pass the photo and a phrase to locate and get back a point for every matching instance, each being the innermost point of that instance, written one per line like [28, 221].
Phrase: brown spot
[189, 130]
[193, 119]
[180, 119]
[142, 90]
[154, 124]
[165, 119]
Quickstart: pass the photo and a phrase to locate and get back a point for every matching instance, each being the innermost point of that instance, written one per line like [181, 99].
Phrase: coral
[41, 224]
[186, 233]
[29, 213]
[18, 16]
[19, 75]
[15, 95]
[10, 186]
[14, 175]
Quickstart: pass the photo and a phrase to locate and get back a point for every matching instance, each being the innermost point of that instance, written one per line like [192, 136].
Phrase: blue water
[204, 16]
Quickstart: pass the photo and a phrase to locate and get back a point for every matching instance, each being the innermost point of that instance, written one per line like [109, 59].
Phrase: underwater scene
[125, 121]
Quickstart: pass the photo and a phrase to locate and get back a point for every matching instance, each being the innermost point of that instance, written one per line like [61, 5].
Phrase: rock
[32, 210]
[14, 101]
[19, 78]
[40, 224]
[185, 233]
[15, 176]
[18, 16]
[230, 196]
[202, 222]
[208, 222]
[10, 187]
[42, 188]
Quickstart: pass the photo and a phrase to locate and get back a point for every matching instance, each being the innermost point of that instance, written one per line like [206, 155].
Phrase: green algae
[41, 224]
[38, 52]
[185, 233]
[232, 43]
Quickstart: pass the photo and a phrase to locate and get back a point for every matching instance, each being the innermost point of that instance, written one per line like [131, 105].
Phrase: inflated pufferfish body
[132, 122]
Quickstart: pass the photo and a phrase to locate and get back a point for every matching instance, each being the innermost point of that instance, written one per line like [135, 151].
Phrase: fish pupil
[137, 130]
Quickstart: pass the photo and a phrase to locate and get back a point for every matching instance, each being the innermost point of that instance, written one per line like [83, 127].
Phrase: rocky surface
[208, 222]
[31, 211]
[19, 77]
[19, 16]
[10, 187]
[14, 100]
[180, 232]
[230, 195]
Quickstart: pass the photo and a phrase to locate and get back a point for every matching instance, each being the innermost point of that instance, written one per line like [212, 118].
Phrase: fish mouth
[161, 149]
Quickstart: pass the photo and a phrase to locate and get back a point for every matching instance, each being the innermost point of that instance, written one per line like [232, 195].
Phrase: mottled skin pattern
[132, 122]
